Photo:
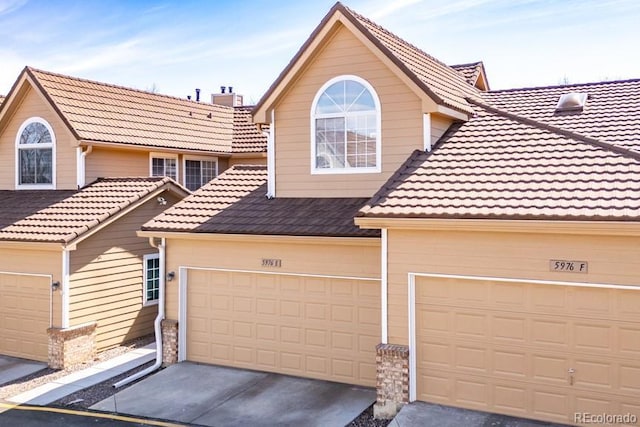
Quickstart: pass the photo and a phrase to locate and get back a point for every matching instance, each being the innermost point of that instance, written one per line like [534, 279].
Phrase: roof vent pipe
[197, 95]
[230, 89]
[222, 89]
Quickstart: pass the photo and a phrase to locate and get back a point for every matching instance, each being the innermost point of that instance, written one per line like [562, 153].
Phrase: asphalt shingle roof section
[60, 216]
[498, 167]
[611, 113]
[235, 203]
[107, 113]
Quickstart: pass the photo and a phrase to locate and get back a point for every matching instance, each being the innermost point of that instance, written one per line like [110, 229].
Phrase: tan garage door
[534, 350]
[24, 316]
[305, 326]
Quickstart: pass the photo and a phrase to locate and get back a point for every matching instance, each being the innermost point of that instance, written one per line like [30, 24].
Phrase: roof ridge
[468, 64]
[554, 129]
[115, 86]
[605, 82]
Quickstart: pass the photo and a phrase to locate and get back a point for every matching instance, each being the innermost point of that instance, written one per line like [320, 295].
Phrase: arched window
[35, 159]
[345, 127]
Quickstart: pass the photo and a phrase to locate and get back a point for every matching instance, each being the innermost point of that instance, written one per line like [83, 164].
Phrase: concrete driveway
[218, 396]
[12, 368]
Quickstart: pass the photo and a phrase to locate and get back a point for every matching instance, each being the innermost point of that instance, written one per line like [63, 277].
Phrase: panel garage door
[24, 316]
[313, 327]
[533, 350]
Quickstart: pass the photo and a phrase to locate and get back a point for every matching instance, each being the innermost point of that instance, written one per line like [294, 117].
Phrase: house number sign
[568, 266]
[271, 262]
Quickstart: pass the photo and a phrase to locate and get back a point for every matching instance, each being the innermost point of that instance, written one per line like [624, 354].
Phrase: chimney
[228, 98]
[197, 95]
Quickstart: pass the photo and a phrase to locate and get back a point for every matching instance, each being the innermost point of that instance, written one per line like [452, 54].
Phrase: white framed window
[197, 172]
[35, 155]
[346, 127]
[151, 279]
[163, 165]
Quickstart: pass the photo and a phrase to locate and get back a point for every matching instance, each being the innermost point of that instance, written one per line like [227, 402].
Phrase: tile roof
[246, 136]
[60, 216]
[235, 203]
[107, 113]
[447, 84]
[442, 83]
[501, 166]
[611, 114]
[469, 71]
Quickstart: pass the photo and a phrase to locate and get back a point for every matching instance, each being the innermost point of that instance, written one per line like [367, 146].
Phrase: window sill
[150, 303]
[35, 187]
[344, 171]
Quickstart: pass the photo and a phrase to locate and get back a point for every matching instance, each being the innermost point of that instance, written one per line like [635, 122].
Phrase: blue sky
[176, 46]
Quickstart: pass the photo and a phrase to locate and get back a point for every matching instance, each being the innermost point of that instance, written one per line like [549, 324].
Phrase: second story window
[164, 166]
[198, 172]
[35, 155]
[345, 127]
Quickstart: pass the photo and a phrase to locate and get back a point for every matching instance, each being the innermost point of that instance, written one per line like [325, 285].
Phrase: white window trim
[157, 155]
[145, 301]
[197, 158]
[46, 124]
[312, 122]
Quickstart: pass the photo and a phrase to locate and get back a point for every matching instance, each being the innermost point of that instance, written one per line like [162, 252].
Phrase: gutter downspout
[81, 165]
[271, 157]
[158, 322]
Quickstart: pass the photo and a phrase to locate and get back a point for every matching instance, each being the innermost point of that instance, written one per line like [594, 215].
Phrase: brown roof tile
[235, 203]
[611, 113]
[60, 216]
[449, 86]
[246, 136]
[499, 166]
[107, 113]
[469, 71]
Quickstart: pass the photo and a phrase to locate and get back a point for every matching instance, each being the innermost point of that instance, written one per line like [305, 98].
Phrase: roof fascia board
[125, 211]
[42, 246]
[261, 238]
[598, 228]
[132, 147]
[450, 112]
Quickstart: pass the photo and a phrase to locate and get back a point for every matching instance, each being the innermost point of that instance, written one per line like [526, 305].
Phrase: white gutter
[158, 322]
[271, 157]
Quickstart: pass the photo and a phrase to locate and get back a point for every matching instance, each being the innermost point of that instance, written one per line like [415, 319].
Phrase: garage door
[314, 327]
[534, 350]
[24, 316]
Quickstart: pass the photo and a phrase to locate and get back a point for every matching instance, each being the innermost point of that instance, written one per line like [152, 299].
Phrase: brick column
[392, 380]
[72, 346]
[169, 342]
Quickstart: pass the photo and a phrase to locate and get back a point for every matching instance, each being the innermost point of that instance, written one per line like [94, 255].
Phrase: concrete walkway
[55, 390]
[12, 368]
[431, 415]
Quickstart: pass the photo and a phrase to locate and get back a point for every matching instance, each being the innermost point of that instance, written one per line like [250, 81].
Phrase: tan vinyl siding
[34, 105]
[439, 126]
[106, 278]
[402, 122]
[110, 162]
[509, 255]
[320, 259]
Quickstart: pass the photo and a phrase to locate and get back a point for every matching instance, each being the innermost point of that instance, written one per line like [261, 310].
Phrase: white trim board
[411, 285]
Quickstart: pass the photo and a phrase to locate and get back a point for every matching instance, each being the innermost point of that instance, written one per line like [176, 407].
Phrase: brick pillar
[392, 380]
[169, 342]
[72, 346]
